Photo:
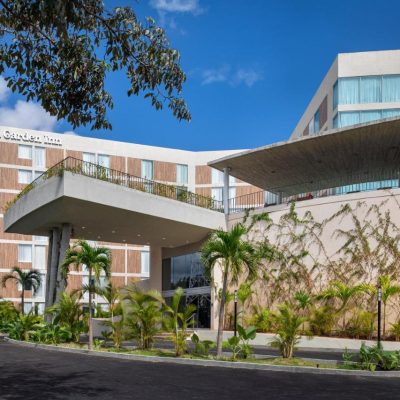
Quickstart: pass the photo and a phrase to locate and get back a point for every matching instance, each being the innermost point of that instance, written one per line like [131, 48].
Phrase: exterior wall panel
[203, 174]
[118, 260]
[164, 171]
[9, 155]
[134, 166]
[53, 156]
[134, 262]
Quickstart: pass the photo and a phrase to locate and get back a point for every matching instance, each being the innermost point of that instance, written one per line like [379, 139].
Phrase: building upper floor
[358, 88]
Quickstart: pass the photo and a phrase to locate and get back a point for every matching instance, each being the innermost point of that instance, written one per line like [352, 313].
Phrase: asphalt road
[27, 374]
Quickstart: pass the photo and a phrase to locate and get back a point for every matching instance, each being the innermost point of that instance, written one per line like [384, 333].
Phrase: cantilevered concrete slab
[333, 158]
[99, 210]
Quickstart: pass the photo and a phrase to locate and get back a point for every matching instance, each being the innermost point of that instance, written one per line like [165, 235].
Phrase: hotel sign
[31, 138]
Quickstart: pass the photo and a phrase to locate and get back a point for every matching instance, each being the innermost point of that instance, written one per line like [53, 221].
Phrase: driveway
[28, 373]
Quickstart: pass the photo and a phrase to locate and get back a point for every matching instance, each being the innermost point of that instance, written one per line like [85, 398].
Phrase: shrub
[24, 326]
[202, 347]
[375, 356]
[288, 326]
[239, 345]
[322, 321]
[361, 325]
[261, 319]
[396, 330]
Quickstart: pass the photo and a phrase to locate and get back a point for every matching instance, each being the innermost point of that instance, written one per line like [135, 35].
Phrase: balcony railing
[364, 183]
[77, 166]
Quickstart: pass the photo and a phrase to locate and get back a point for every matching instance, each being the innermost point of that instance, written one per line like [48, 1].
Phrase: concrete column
[64, 245]
[215, 301]
[155, 280]
[279, 197]
[52, 268]
[48, 272]
[225, 194]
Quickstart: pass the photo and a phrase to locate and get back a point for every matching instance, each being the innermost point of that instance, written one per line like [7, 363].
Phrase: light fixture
[83, 227]
[138, 235]
[99, 237]
[112, 231]
[124, 240]
[163, 238]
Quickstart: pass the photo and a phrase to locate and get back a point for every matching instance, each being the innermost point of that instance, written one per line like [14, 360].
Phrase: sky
[252, 67]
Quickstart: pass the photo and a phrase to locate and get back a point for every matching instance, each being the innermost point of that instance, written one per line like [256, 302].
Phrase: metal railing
[77, 166]
[363, 183]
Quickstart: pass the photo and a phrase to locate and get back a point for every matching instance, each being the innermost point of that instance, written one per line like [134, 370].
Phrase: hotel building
[345, 148]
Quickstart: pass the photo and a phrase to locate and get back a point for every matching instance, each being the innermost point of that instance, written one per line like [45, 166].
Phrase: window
[37, 174]
[103, 281]
[217, 177]
[391, 88]
[335, 95]
[40, 257]
[232, 180]
[316, 122]
[390, 113]
[370, 89]
[145, 262]
[24, 176]
[311, 126]
[181, 174]
[349, 91]
[336, 121]
[89, 157]
[40, 157]
[25, 152]
[85, 282]
[367, 116]
[147, 169]
[27, 308]
[349, 118]
[24, 253]
[232, 192]
[41, 239]
[41, 290]
[216, 194]
[104, 160]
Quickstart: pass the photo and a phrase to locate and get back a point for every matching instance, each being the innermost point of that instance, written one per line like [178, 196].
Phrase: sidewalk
[316, 343]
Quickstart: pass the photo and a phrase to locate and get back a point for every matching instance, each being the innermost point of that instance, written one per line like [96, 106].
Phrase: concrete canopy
[339, 157]
[99, 210]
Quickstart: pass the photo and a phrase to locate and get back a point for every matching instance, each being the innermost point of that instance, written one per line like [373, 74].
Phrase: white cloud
[247, 76]
[177, 6]
[27, 115]
[4, 90]
[215, 75]
[232, 77]
[72, 133]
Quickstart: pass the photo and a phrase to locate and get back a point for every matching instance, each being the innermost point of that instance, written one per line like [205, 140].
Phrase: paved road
[39, 374]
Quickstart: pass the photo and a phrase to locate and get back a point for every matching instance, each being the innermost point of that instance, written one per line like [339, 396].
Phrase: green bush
[322, 321]
[375, 356]
[361, 325]
[396, 330]
[239, 345]
[261, 319]
[202, 347]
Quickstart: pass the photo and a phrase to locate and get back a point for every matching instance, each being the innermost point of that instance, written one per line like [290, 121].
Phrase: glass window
[181, 174]
[370, 89]
[24, 176]
[395, 112]
[349, 118]
[335, 95]
[27, 308]
[41, 239]
[390, 88]
[316, 122]
[25, 151]
[85, 282]
[217, 177]
[104, 160]
[40, 157]
[145, 262]
[40, 257]
[41, 290]
[147, 169]
[311, 126]
[349, 91]
[37, 174]
[336, 121]
[367, 116]
[216, 193]
[232, 192]
[232, 180]
[89, 157]
[24, 253]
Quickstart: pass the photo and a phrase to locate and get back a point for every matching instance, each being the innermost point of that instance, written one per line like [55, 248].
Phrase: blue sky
[252, 66]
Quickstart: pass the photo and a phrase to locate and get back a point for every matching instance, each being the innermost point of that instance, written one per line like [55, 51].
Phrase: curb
[210, 363]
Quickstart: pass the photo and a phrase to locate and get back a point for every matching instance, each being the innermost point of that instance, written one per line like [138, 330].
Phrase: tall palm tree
[234, 256]
[343, 293]
[111, 295]
[97, 260]
[27, 280]
[304, 302]
[389, 289]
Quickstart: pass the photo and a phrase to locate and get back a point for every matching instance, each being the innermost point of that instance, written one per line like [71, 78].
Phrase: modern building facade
[25, 155]
[346, 144]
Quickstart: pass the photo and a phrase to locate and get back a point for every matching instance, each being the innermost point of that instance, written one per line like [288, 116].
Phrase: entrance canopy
[100, 210]
[363, 153]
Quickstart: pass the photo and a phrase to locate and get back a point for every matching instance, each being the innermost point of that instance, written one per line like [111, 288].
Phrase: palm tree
[111, 295]
[343, 293]
[227, 251]
[304, 301]
[68, 312]
[389, 289]
[27, 280]
[178, 320]
[97, 260]
[142, 313]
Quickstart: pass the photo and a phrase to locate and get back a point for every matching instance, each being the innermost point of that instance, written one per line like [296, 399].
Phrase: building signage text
[32, 138]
